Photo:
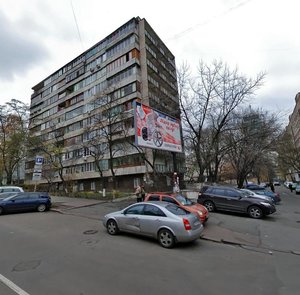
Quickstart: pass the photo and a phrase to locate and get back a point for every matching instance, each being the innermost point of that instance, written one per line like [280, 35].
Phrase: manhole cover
[90, 232]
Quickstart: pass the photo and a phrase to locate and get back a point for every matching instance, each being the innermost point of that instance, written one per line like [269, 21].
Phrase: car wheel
[41, 208]
[166, 238]
[112, 227]
[210, 206]
[1, 210]
[255, 212]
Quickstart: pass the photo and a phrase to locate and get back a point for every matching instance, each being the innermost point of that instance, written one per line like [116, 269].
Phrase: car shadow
[189, 245]
[270, 217]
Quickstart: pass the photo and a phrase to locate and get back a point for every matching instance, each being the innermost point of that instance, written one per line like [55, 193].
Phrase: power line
[77, 25]
[230, 9]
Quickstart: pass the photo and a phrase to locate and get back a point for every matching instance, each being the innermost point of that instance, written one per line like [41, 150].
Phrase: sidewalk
[67, 203]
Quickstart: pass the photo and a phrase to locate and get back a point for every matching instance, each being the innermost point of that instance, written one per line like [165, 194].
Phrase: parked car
[275, 196]
[252, 186]
[258, 190]
[25, 201]
[288, 183]
[263, 184]
[5, 189]
[166, 222]
[180, 201]
[297, 189]
[254, 194]
[234, 200]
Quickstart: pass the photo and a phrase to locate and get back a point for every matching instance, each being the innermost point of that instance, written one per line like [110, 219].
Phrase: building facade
[294, 129]
[82, 115]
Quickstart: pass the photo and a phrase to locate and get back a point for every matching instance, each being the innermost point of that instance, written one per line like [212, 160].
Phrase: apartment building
[294, 121]
[294, 129]
[82, 115]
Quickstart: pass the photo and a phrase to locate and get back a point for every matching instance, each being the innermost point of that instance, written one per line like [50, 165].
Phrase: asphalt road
[71, 253]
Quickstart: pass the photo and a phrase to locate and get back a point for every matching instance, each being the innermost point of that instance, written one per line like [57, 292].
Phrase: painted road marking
[12, 286]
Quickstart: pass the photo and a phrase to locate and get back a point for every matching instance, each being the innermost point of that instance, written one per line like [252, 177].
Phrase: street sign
[39, 160]
[36, 175]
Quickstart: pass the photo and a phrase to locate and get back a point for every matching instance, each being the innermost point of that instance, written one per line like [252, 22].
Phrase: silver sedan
[166, 222]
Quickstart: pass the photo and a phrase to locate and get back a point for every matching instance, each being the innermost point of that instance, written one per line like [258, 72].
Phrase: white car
[287, 184]
[8, 189]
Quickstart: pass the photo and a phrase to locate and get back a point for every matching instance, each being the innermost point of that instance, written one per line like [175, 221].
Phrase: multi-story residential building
[294, 122]
[294, 129]
[83, 115]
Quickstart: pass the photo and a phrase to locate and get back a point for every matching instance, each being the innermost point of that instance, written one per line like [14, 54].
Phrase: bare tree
[251, 138]
[288, 153]
[207, 102]
[104, 135]
[51, 147]
[13, 136]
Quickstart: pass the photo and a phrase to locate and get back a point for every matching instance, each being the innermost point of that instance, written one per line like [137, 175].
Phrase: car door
[234, 201]
[31, 201]
[130, 221]
[151, 220]
[15, 204]
[217, 195]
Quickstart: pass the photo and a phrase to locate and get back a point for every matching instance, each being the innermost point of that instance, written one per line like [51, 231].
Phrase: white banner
[156, 130]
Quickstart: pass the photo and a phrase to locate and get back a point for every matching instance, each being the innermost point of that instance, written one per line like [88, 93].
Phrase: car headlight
[265, 203]
[200, 213]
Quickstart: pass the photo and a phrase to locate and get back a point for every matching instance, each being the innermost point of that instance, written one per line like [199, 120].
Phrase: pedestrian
[138, 193]
[272, 187]
[291, 187]
[143, 192]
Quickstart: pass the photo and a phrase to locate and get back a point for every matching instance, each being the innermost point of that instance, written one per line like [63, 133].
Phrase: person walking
[291, 187]
[138, 193]
[143, 192]
[272, 187]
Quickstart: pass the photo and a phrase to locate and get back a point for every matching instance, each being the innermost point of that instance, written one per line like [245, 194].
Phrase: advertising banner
[156, 130]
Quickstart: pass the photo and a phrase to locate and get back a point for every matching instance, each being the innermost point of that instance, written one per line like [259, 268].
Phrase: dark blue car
[259, 190]
[26, 201]
[275, 196]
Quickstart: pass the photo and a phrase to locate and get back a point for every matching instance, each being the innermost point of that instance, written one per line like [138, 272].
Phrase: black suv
[233, 200]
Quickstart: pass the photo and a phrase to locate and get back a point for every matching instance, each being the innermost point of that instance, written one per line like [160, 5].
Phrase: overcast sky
[39, 36]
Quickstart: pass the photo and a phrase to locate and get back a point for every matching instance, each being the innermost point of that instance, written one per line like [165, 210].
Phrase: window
[103, 164]
[153, 211]
[218, 191]
[136, 182]
[169, 200]
[232, 194]
[176, 210]
[153, 198]
[135, 209]
[93, 186]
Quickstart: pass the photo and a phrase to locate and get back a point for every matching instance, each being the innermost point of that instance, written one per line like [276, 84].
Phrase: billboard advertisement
[156, 130]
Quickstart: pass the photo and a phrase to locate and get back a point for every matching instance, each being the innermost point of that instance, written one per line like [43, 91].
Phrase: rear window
[176, 210]
[153, 198]
[204, 189]
[168, 199]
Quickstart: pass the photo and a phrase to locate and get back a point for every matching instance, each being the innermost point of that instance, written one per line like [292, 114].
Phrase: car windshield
[176, 210]
[245, 193]
[10, 197]
[261, 192]
[183, 200]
